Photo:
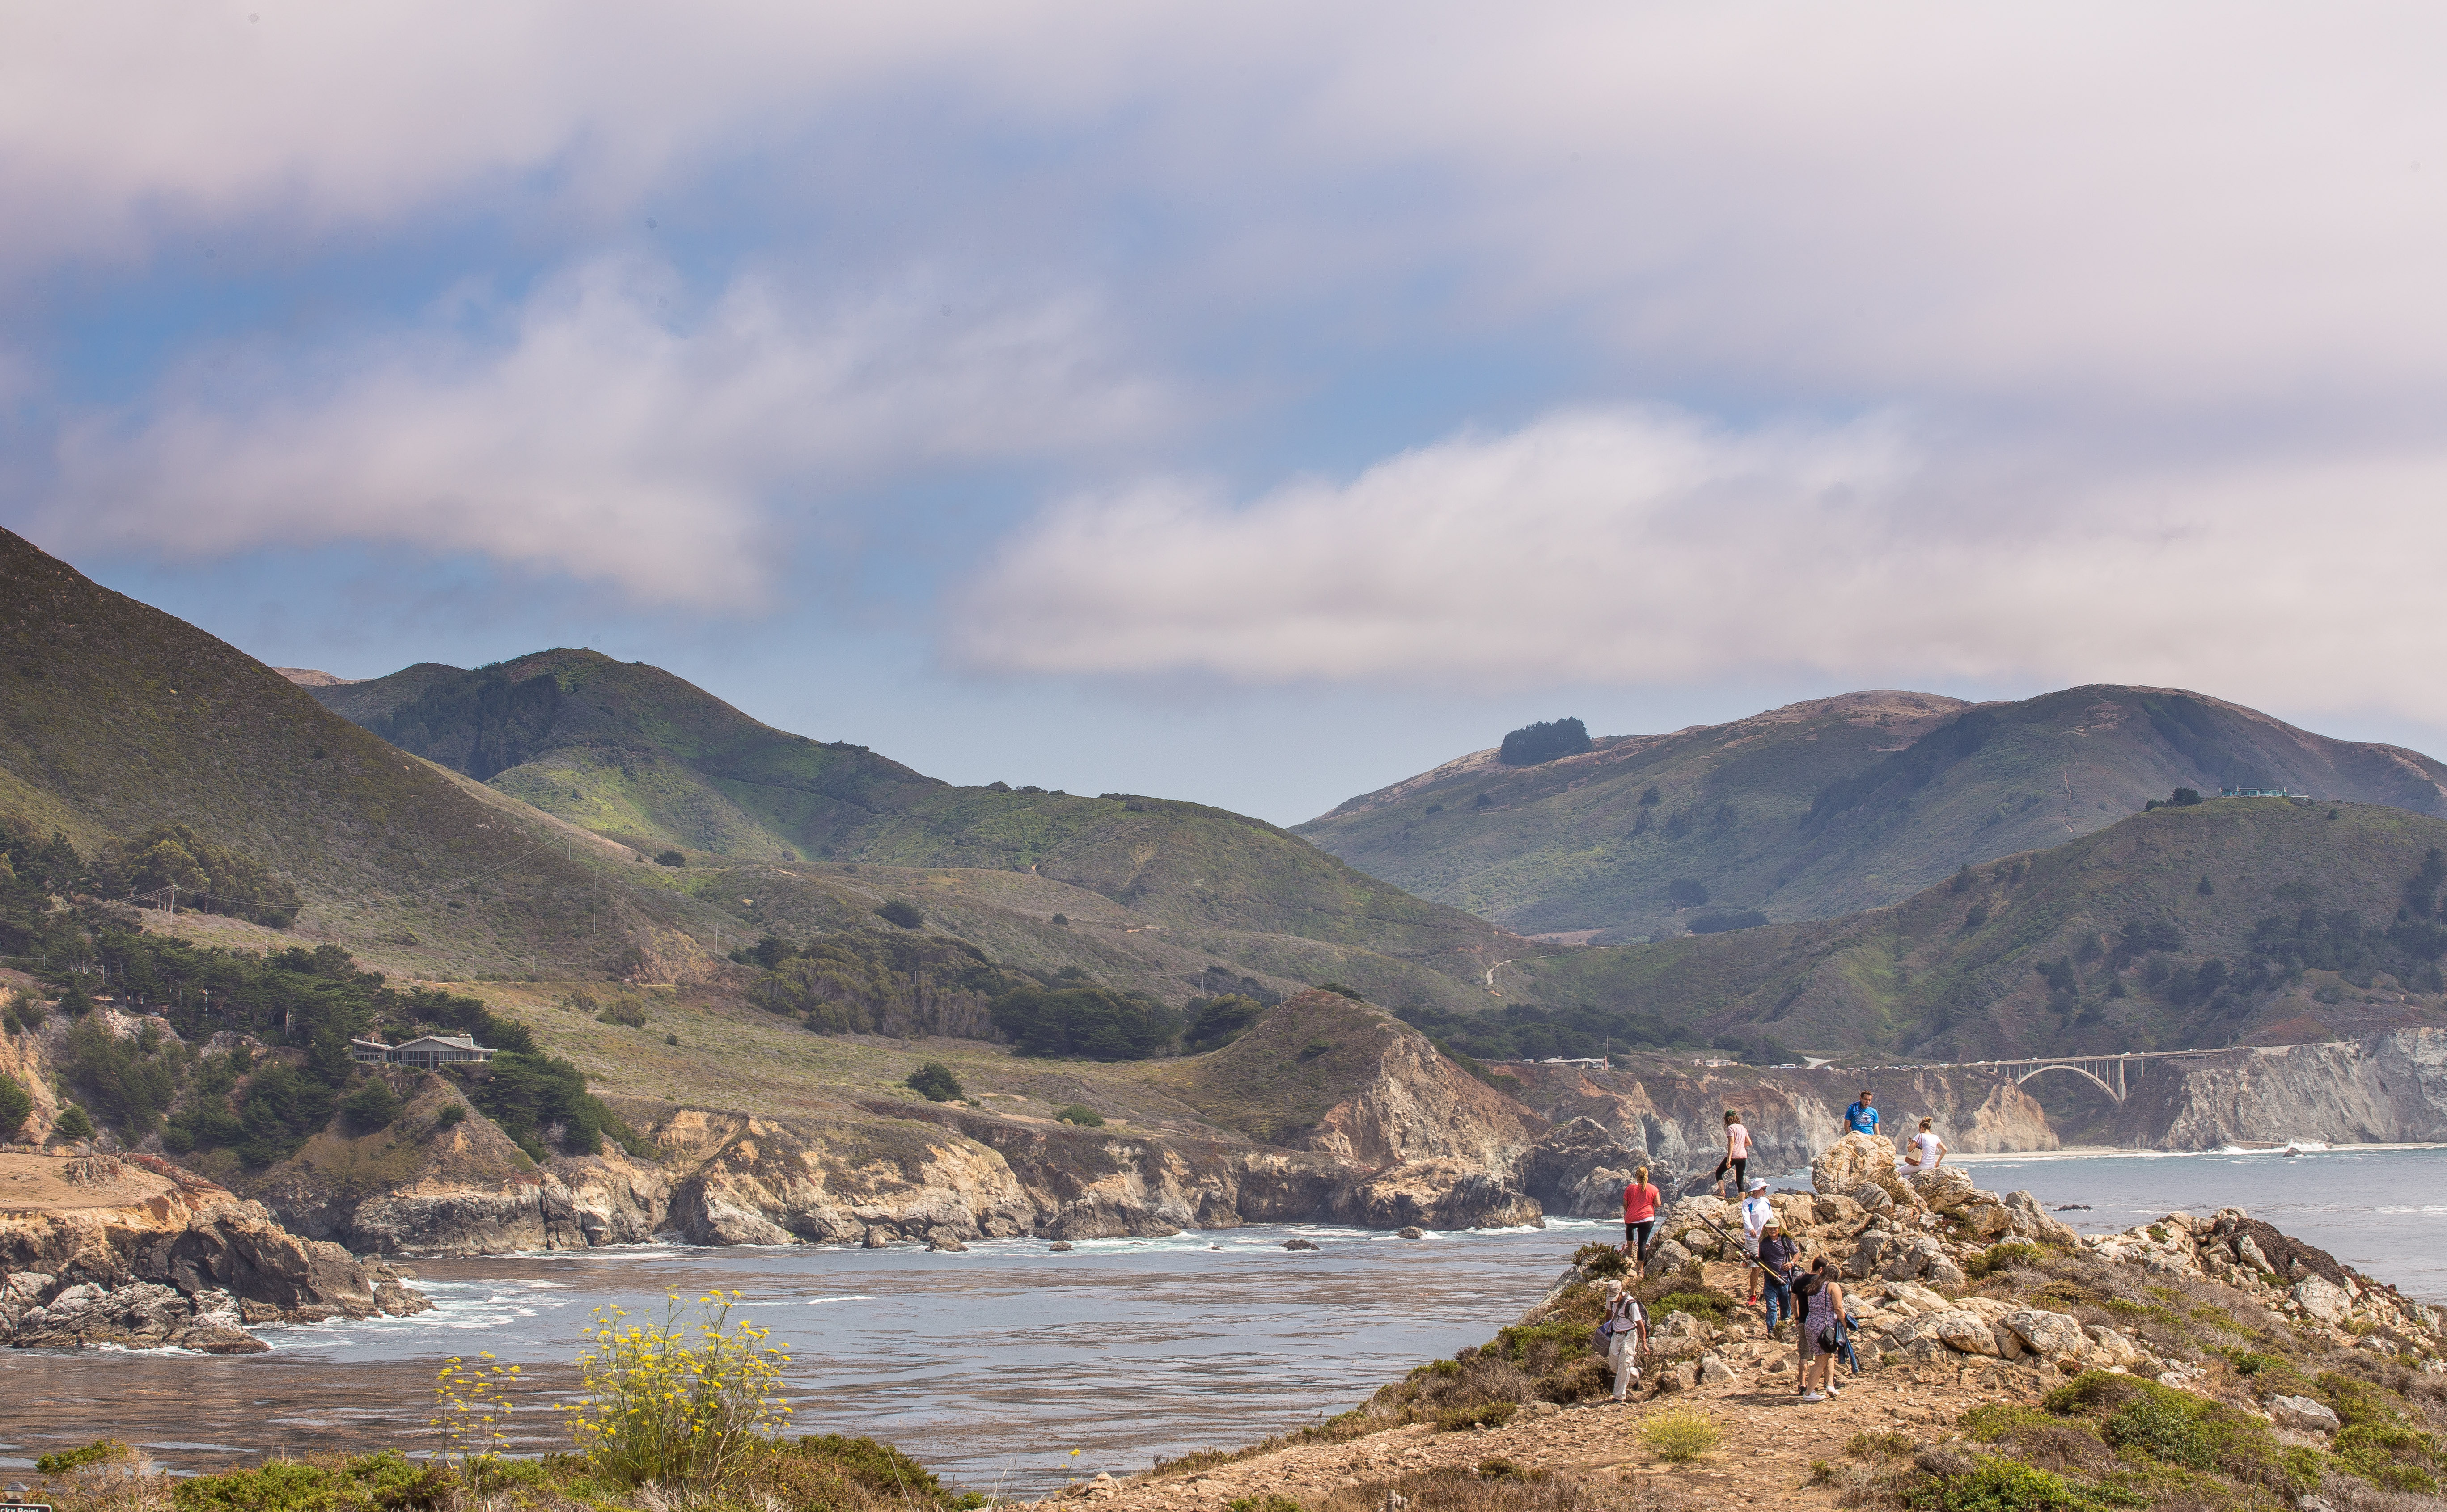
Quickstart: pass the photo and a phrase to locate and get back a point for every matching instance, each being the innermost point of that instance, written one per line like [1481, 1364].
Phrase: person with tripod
[1776, 1255]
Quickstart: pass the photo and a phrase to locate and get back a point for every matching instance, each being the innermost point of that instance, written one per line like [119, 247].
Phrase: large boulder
[1958, 1329]
[2051, 1335]
[1947, 1189]
[2302, 1416]
[2032, 1221]
[1857, 1161]
[2319, 1300]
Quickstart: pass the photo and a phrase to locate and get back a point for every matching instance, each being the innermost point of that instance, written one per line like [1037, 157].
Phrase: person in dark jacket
[1777, 1257]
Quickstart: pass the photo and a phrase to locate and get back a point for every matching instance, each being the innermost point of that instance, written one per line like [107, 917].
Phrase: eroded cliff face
[136, 1253]
[2387, 1089]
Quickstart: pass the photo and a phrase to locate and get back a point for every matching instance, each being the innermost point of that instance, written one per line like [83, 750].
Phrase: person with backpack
[1626, 1332]
[1737, 1153]
[1776, 1255]
[1818, 1300]
[1862, 1117]
[1640, 1201]
[1758, 1213]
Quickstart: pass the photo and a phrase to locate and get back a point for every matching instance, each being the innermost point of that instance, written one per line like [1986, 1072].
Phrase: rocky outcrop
[138, 1252]
[2391, 1088]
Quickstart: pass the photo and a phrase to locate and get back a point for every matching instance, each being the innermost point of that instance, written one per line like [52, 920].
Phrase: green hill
[2235, 921]
[1824, 807]
[1165, 891]
[121, 719]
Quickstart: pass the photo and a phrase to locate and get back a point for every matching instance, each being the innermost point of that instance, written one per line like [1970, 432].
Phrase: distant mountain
[640, 756]
[1824, 807]
[2234, 920]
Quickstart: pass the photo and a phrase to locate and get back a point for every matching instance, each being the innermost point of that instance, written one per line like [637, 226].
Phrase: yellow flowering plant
[471, 1401]
[678, 1404]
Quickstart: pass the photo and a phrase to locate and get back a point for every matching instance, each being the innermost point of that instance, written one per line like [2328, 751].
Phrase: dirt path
[1770, 1441]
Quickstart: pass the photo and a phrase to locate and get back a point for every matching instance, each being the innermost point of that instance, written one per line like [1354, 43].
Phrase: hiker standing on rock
[1737, 1153]
[1928, 1150]
[1862, 1117]
[1640, 1201]
[1818, 1302]
[1758, 1213]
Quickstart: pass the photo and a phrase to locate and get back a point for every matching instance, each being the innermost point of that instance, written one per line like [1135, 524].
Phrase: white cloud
[596, 433]
[1647, 548]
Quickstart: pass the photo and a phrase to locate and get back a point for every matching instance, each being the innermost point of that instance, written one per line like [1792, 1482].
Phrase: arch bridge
[2111, 1074]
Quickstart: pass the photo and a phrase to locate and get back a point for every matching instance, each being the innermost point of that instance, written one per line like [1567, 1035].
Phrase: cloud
[1649, 548]
[605, 428]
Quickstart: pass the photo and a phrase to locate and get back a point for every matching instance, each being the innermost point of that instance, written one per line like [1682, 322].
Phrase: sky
[1252, 404]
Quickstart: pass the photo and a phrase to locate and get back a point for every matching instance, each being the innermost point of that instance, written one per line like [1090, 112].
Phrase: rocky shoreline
[136, 1253]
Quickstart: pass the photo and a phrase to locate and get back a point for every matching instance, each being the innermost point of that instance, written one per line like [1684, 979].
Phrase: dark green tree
[371, 1106]
[72, 1124]
[902, 913]
[15, 1103]
[934, 1082]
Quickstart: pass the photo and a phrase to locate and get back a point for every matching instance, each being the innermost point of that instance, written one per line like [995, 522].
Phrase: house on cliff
[430, 1051]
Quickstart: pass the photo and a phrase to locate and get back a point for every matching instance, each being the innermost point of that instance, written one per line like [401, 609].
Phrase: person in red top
[1640, 1201]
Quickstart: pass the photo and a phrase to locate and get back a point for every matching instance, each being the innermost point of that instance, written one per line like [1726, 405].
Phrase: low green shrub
[1081, 1114]
[1482, 1414]
[1599, 1259]
[1887, 1444]
[622, 1010]
[934, 1082]
[1994, 1421]
[2171, 1426]
[2003, 1486]
[2004, 1256]
[66, 1460]
[1708, 1305]
[278, 1486]
[1680, 1434]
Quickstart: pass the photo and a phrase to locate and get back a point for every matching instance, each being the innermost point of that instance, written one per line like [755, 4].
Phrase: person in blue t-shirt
[1862, 1117]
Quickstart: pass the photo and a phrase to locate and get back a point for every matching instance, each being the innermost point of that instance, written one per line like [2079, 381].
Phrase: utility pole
[174, 900]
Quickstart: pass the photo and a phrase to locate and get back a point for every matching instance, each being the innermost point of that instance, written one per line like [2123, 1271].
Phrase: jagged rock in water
[1578, 1169]
[1411, 1234]
[1059, 1247]
[1299, 1244]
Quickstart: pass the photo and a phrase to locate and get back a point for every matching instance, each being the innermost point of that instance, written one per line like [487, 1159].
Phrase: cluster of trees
[867, 982]
[1524, 1032]
[291, 1013]
[210, 878]
[1726, 920]
[1544, 742]
[1075, 1018]
[2180, 798]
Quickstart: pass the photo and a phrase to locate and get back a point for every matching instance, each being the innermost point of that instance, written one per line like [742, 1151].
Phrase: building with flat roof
[2259, 792]
[429, 1051]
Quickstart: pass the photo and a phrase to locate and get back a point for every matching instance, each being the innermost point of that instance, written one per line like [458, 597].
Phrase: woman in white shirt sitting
[1928, 1150]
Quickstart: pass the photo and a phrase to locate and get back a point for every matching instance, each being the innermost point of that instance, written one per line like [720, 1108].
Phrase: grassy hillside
[2237, 920]
[639, 756]
[1825, 807]
[631, 753]
[120, 718]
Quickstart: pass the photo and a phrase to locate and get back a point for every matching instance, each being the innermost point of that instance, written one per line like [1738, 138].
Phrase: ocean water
[993, 1366]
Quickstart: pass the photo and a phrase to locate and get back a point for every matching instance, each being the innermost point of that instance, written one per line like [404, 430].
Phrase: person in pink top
[1738, 1152]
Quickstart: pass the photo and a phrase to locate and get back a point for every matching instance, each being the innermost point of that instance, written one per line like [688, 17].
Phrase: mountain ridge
[1824, 806]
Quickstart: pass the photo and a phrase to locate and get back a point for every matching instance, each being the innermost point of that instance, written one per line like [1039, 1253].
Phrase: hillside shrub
[625, 1010]
[934, 1082]
[1081, 1114]
[1329, 985]
[67, 1462]
[1544, 742]
[371, 1106]
[530, 1094]
[900, 912]
[1084, 1023]
[1214, 1021]
[1727, 921]
[16, 1104]
[2004, 1256]
[2005, 1486]
[670, 857]
[451, 1117]
[1686, 892]
[72, 1124]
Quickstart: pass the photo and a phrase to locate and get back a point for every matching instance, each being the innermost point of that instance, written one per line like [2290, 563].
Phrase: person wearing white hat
[1756, 1214]
[1628, 1326]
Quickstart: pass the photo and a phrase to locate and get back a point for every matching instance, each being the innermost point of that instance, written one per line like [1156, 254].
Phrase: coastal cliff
[2390, 1089]
[140, 1253]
